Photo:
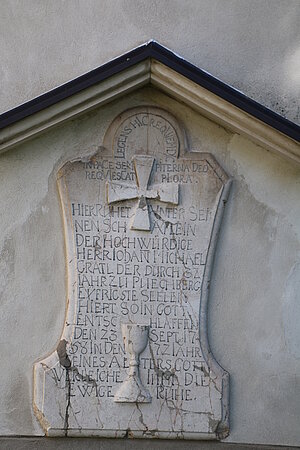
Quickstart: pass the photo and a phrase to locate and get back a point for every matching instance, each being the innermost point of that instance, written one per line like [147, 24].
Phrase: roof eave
[153, 64]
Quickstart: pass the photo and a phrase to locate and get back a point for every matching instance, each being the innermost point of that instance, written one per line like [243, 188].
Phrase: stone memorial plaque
[141, 220]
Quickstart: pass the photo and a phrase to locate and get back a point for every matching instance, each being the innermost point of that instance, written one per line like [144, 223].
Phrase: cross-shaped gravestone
[165, 192]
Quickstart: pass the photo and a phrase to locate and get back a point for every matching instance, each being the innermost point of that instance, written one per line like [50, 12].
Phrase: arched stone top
[144, 130]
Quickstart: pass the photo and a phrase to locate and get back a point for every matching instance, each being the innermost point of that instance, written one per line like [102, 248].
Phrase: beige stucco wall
[254, 304]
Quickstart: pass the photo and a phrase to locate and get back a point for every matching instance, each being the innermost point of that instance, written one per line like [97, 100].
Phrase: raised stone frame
[53, 395]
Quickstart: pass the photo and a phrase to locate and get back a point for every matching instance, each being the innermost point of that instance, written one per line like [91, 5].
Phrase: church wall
[253, 316]
[254, 300]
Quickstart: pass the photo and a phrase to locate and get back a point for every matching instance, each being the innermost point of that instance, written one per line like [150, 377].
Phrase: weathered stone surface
[141, 223]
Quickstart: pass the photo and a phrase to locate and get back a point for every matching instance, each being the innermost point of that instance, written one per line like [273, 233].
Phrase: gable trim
[152, 64]
[156, 51]
[222, 112]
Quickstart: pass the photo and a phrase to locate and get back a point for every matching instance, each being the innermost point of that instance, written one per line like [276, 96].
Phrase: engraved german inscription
[141, 223]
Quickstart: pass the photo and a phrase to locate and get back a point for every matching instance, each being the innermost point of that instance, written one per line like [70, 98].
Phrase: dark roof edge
[152, 50]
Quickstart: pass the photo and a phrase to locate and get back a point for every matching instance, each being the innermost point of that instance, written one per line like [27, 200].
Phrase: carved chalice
[135, 340]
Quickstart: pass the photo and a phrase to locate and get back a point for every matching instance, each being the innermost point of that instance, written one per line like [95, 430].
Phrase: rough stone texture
[254, 298]
[141, 218]
[253, 46]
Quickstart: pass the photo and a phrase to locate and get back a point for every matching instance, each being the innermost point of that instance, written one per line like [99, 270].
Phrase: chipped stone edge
[222, 430]
[43, 365]
[130, 434]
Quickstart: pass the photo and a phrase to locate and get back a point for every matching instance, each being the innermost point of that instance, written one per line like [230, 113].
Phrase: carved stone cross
[146, 300]
[165, 192]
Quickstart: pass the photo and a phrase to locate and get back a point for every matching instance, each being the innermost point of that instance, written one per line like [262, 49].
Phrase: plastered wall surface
[254, 302]
[252, 45]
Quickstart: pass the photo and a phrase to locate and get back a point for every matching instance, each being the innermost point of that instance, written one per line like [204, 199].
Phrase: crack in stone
[65, 362]
[171, 405]
[141, 418]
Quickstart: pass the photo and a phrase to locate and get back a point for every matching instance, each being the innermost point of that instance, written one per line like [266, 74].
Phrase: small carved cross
[164, 192]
